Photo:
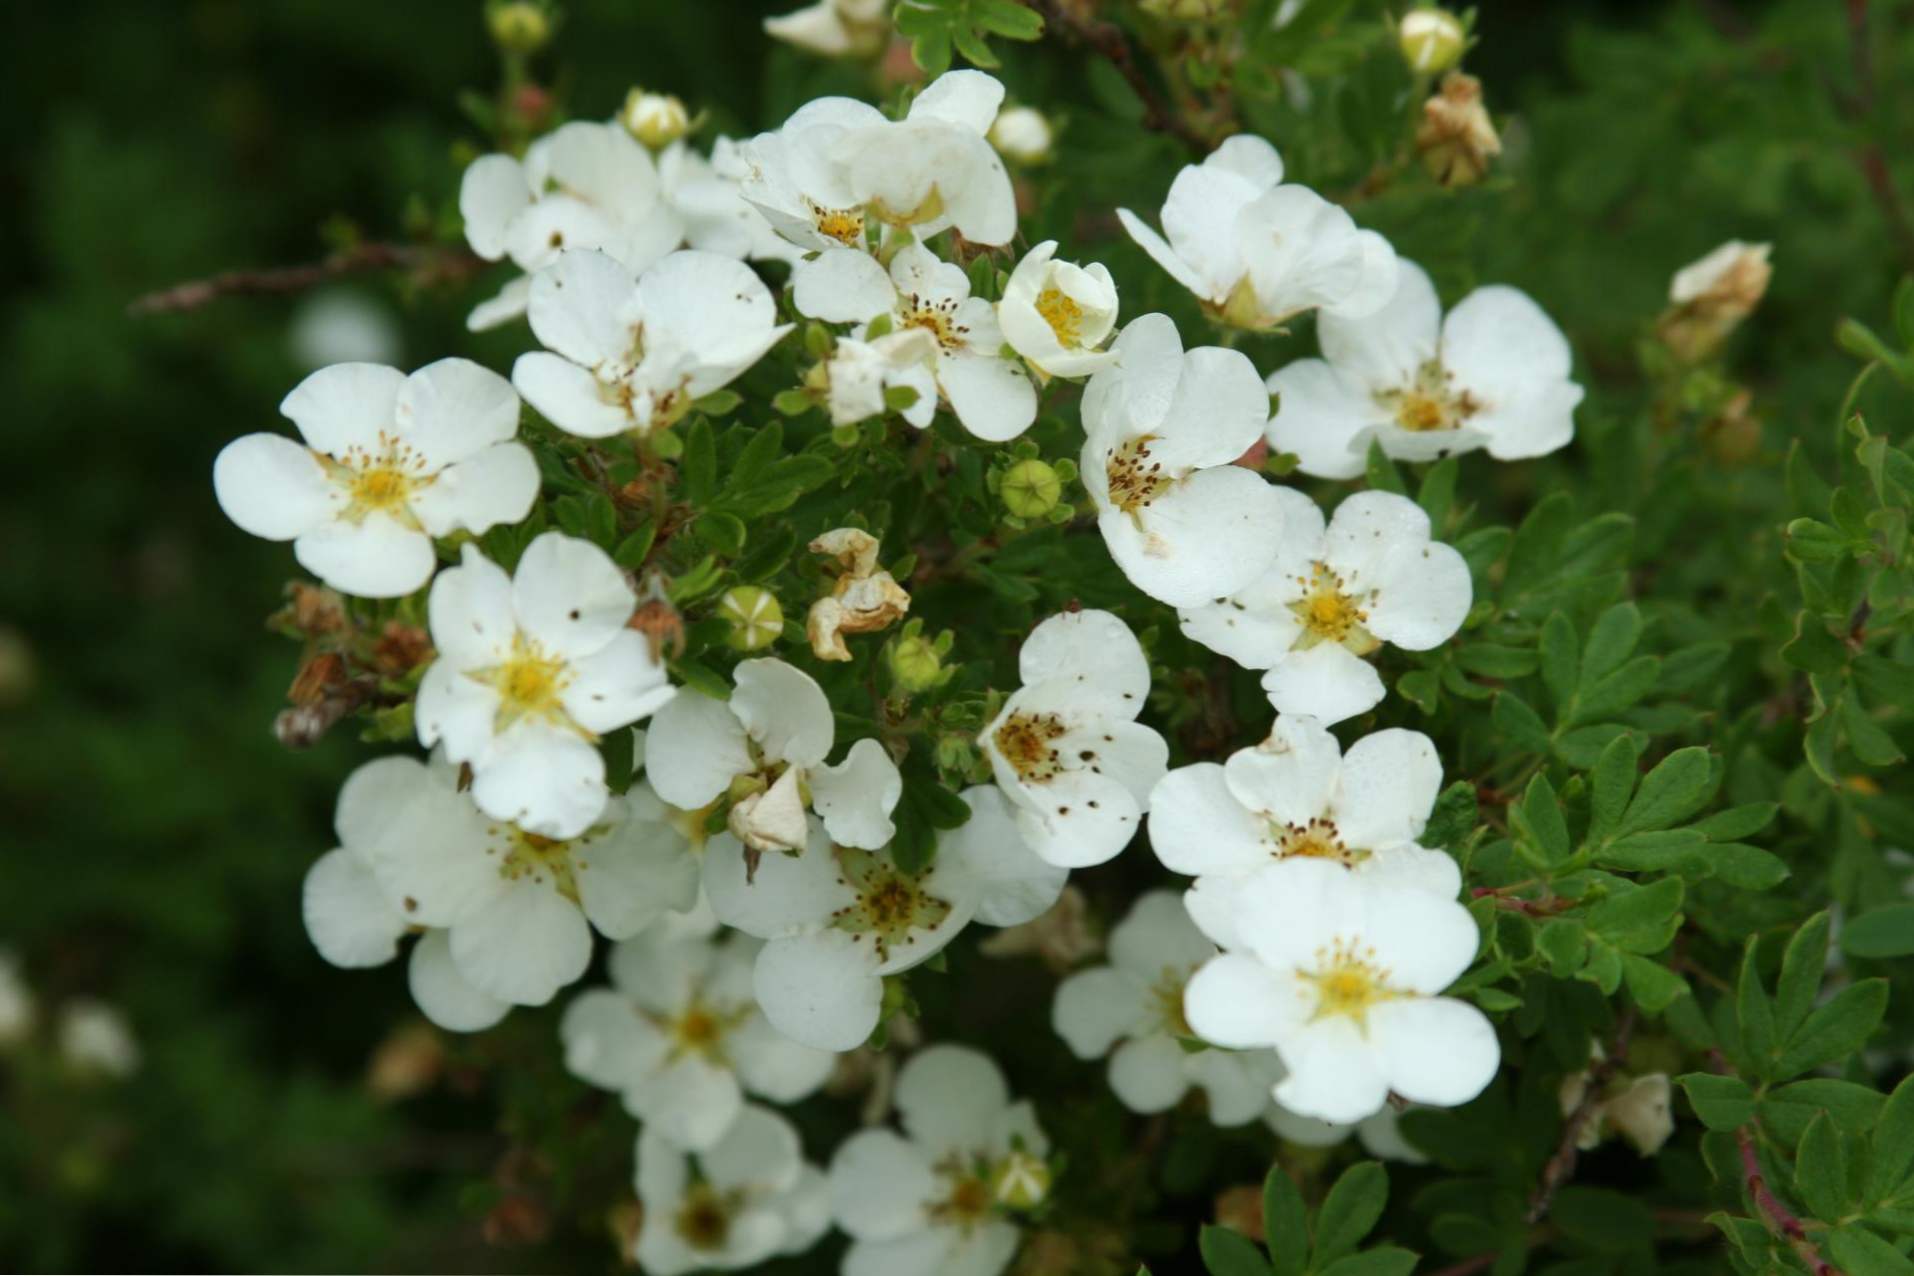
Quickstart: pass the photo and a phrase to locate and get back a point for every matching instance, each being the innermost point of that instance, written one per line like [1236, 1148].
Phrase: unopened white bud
[1022, 135]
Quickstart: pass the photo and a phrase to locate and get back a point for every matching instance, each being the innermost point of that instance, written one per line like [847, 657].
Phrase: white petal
[946, 1094]
[273, 488]
[986, 1250]
[1501, 347]
[1423, 940]
[1305, 1131]
[1436, 1050]
[1366, 527]
[964, 97]
[1211, 903]
[477, 494]
[1292, 776]
[345, 405]
[1096, 1008]
[1415, 867]
[454, 409]
[880, 1186]
[1134, 397]
[1287, 910]
[525, 944]
[1377, 265]
[634, 874]
[842, 285]
[375, 796]
[1157, 935]
[1165, 256]
[470, 612]
[1236, 1085]
[820, 989]
[1422, 594]
[349, 919]
[712, 304]
[442, 992]
[1147, 1073]
[508, 304]
[855, 798]
[1197, 825]
[1327, 682]
[607, 1043]
[690, 1101]
[1321, 419]
[1217, 414]
[805, 1210]
[1385, 350]
[1235, 1001]
[788, 895]
[616, 685]
[1335, 1073]
[992, 397]
[1199, 216]
[917, 1253]
[1208, 536]
[569, 595]
[1389, 784]
[784, 710]
[1250, 157]
[545, 779]
[1079, 818]
[491, 193]
[759, 1152]
[695, 747]
[455, 711]
[600, 162]
[988, 859]
[378, 557]
[569, 396]
[431, 856]
[775, 1067]
[1093, 649]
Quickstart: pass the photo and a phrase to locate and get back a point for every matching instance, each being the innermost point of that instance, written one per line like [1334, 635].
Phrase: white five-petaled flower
[1066, 748]
[1493, 374]
[839, 919]
[838, 166]
[1056, 313]
[1256, 251]
[991, 395]
[680, 1036]
[1341, 972]
[927, 1202]
[1138, 1000]
[764, 748]
[389, 462]
[583, 185]
[531, 669]
[834, 28]
[749, 1197]
[1298, 795]
[1162, 429]
[1333, 596]
[859, 372]
[634, 354]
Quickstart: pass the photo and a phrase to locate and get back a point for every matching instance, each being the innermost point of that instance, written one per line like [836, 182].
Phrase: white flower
[839, 919]
[1138, 999]
[389, 462]
[1334, 596]
[991, 395]
[1493, 374]
[835, 28]
[1163, 427]
[751, 1198]
[95, 1038]
[859, 372]
[583, 185]
[680, 1036]
[1298, 794]
[1022, 135]
[1341, 972]
[1256, 252]
[635, 354]
[531, 669]
[838, 161]
[1379, 1133]
[765, 748]
[1056, 313]
[704, 193]
[923, 1203]
[17, 1007]
[1066, 748]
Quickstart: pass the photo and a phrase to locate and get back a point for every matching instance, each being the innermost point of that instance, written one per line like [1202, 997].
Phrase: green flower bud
[756, 619]
[915, 663]
[1031, 489]
[519, 26]
[1431, 39]
[655, 119]
[1020, 1181]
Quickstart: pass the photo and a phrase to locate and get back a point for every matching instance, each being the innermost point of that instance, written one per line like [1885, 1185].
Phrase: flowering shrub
[1064, 715]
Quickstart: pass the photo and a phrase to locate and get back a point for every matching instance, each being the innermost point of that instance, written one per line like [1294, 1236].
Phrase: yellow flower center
[381, 488]
[529, 685]
[889, 907]
[532, 855]
[704, 1218]
[938, 318]
[1330, 614]
[1135, 480]
[968, 1199]
[1064, 316]
[1429, 402]
[1318, 839]
[1025, 742]
[1167, 994]
[1348, 982]
[380, 479]
[845, 225]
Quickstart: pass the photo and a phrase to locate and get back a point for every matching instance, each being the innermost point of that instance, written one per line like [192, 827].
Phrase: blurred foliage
[155, 834]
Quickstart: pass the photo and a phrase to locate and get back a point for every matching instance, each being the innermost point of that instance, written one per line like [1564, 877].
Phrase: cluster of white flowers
[745, 878]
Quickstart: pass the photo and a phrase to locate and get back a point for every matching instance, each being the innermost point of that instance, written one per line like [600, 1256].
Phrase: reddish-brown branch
[1775, 1214]
[1107, 40]
[1516, 904]
[429, 264]
[1562, 1164]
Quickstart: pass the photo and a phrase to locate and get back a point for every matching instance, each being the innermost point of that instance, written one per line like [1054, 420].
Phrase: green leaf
[1495, 660]
[1617, 691]
[1677, 786]
[1610, 785]
[1786, 1110]
[1421, 688]
[1381, 471]
[1880, 932]
[1813, 648]
[1285, 1224]
[1606, 1221]
[1230, 1253]
[1721, 1102]
[1653, 986]
[722, 532]
[1859, 1252]
[1519, 723]
[1870, 742]
[1350, 1211]
[1610, 642]
[1564, 941]
[1802, 966]
[1754, 1013]
[1561, 661]
[1453, 818]
[1628, 916]
[617, 748]
[1821, 1169]
[1893, 1142]
[1836, 1029]
[1542, 816]
[1738, 822]
[1384, 1260]
[699, 468]
[1436, 496]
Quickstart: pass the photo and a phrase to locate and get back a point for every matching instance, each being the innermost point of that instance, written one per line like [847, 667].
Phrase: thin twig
[1107, 40]
[1562, 1164]
[432, 264]
[1777, 1215]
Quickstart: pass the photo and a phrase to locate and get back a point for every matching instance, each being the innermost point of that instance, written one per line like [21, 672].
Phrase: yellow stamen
[1064, 316]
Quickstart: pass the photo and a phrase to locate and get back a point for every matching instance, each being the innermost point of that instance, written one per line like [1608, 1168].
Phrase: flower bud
[656, 119]
[756, 619]
[915, 663]
[1020, 1181]
[1456, 137]
[1709, 298]
[519, 26]
[1431, 40]
[1022, 135]
[1641, 1113]
[1031, 488]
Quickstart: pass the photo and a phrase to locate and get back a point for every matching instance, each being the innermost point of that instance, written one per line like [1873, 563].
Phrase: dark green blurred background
[152, 833]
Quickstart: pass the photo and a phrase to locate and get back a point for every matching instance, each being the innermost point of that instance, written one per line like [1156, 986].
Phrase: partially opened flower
[1137, 1000]
[1056, 313]
[1493, 374]
[1066, 748]
[749, 1197]
[1163, 428]
[839, 919]
[389, 462]
[835, 28]
[932, 1201]
[583, 185]
[679, 1034]
[764, 749]
[991, 395]
[1299, 794]
[532, 668]
[625, 354]
[1255, 251]
[1332, 597]
[859, 374]
[1341, 972]
[717, 218]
